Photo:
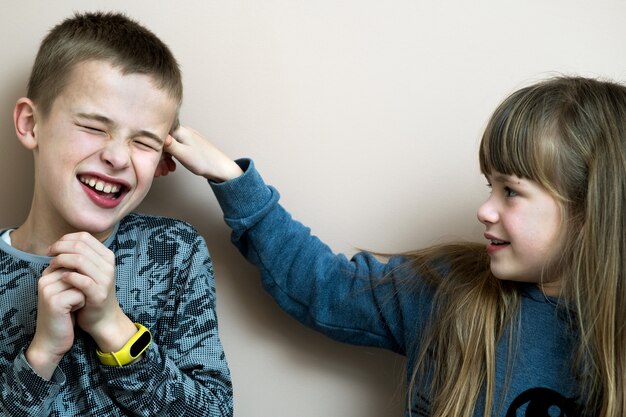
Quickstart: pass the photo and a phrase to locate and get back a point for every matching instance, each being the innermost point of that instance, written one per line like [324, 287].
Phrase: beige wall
[365, 114]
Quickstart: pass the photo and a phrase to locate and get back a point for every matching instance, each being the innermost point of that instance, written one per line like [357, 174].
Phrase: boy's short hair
[110, 37]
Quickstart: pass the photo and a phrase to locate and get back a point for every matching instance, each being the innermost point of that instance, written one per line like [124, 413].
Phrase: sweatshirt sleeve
[184, 371]
[25, 393]
[351, 300]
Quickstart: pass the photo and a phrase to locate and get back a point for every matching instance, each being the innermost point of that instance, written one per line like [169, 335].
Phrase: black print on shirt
[542, 402]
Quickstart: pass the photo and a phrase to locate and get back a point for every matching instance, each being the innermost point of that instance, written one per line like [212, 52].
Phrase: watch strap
[130, 351]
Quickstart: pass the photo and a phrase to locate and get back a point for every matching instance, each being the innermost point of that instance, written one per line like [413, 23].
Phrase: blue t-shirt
[348, 300]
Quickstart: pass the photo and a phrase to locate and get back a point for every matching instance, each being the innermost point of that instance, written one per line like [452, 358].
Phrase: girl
[533, 324]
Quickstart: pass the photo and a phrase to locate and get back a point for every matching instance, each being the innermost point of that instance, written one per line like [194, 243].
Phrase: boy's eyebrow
[103, 119]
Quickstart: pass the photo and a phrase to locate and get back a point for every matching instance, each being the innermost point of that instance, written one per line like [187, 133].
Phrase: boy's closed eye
[148, 145]
[91, 129]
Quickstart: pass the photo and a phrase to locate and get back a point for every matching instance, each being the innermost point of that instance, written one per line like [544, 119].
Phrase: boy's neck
[24, 239]
[35, 238]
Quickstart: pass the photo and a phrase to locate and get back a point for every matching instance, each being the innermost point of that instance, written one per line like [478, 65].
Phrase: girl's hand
[88, 266]
[198, 156]
[54, 332]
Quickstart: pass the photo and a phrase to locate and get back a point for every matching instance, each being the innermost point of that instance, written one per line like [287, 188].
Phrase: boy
[105, 312]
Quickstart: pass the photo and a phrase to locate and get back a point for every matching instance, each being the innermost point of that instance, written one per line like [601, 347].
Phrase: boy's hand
[199, 156]
[87, 265]
[54, 334]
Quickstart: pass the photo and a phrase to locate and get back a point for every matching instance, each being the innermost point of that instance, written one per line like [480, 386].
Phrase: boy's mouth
[104, 188]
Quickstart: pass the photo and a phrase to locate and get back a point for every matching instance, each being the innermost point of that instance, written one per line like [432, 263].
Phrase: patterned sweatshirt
[363, 301]
[164, 280]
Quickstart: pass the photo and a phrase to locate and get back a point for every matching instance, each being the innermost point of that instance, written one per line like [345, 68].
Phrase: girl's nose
[488, 212]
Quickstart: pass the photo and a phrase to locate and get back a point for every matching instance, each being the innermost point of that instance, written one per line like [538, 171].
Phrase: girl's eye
[509, 192]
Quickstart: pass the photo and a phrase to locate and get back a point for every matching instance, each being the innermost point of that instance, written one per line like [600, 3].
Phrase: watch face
[140, 344]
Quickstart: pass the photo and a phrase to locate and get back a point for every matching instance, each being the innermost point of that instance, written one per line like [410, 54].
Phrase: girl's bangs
[511, 141]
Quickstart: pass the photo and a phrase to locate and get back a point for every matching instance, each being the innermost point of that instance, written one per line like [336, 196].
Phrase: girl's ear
[24, 121]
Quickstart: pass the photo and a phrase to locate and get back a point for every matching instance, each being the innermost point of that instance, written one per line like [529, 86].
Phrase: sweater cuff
[243, 196]
[39, 390]
[31, 378]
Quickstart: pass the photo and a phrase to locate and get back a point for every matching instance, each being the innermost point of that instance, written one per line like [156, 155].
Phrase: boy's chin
[99, 228]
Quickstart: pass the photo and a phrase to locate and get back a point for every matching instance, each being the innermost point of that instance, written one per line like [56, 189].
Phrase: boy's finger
[50, 275]
[96, 268]
[70, 299]
[79, 242]
[53, 288]
[82, 282]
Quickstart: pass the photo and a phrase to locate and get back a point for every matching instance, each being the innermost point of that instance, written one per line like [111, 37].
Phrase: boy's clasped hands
[77, 288]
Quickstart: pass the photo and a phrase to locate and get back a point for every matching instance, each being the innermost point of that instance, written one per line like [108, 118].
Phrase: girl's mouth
[496, 245]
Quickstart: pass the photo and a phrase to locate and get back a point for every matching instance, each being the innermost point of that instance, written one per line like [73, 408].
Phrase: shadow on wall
[249, 310]
[16, 162]
[248, 314]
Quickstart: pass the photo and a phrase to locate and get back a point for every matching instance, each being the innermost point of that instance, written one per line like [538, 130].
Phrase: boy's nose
[116, 155]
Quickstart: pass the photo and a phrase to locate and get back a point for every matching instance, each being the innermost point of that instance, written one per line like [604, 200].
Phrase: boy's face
[98, 148]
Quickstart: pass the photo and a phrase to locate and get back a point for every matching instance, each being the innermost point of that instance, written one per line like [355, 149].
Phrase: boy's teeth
[100, 185]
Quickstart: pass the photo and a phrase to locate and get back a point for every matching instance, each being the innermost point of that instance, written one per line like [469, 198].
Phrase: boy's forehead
[97, 87]
[91, 71]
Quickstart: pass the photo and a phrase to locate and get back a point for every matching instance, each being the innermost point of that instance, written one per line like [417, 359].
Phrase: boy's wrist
[41, 362]
[111, 337]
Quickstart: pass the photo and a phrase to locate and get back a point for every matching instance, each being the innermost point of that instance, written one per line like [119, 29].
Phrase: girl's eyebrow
[109, 123]
[503, 178]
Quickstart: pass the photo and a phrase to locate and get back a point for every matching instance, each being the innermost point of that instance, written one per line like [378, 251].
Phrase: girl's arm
[344, 299]
[347, 299]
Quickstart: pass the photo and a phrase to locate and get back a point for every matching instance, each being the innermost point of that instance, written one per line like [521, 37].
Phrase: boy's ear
[24, 121]
[165, 166]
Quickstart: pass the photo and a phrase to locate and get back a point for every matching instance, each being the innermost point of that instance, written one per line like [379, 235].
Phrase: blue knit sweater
[347, 300]
[164, 280]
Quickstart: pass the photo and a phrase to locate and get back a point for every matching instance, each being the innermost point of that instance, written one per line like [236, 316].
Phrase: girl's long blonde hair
[569, 135]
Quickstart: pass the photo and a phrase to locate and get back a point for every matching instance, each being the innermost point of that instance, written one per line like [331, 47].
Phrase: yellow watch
[130, 351]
